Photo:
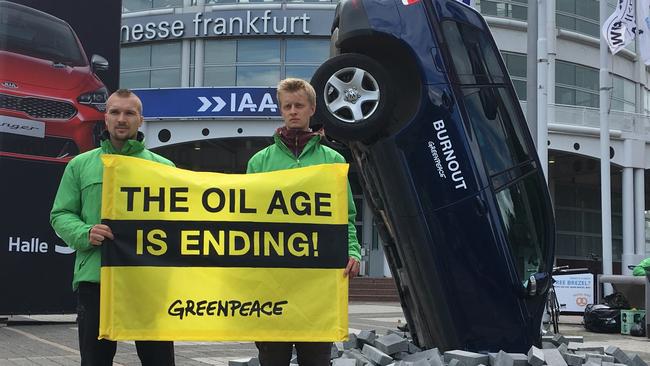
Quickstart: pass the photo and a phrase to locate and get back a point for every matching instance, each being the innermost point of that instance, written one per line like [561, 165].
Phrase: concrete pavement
[51, 340]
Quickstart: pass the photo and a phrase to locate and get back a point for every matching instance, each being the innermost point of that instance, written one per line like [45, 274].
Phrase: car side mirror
[98, 63]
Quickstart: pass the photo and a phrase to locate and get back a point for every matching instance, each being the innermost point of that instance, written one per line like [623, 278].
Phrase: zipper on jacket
[288, 151]
[295, 146]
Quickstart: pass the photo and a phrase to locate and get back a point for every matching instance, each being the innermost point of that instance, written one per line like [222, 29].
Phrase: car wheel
[353, 97]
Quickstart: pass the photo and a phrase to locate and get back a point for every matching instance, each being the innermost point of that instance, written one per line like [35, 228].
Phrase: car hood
[34, 74]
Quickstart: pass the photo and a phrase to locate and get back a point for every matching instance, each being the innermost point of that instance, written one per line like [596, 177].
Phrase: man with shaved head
[76, 216]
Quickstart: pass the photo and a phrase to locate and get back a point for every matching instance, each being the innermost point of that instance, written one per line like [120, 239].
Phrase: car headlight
[96, 99]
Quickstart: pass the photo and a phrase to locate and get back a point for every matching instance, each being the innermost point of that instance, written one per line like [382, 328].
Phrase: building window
[151, 66]
[516, 9]
[582, 16]
[579, 15]
[261, 62]
[516, 65]
[623, 95]
[129, 6]
[576, 85]
[218, 2]
[578, 222]
[304, 56]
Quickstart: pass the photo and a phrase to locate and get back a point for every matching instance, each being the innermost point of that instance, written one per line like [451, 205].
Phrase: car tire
[353, 97]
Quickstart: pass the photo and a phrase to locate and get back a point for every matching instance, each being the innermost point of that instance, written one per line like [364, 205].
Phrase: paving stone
[335, 352]
[535, 356]
[351, 342]
[249, 361]
[413, 348]
[400, 355]
[344, 362]
[358, 356]
[636, 360]
[619, 355]
[579, 347]
[468, 358]
[398, 332]
[432, 355]
[607, 363]
[574, 360]
[391, 344]
[520, 359]
[553, 357]
[549, 345]
[559, 339]
[436, 358]
[366, 337]
[502, 359]
[594, 361]
[576, 339]
[456, 362]
[604, 358]
[375, 355]
[338, 346]
[563, 348]
[411, 363]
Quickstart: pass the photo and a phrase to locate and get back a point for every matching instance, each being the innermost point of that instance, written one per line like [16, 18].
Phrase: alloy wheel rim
[352, 94]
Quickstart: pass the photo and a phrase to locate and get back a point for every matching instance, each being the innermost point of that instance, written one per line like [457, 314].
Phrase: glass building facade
[574, 178]
[263, 60]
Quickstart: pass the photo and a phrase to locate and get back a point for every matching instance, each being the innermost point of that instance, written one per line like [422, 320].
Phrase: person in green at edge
[295, 146]
[642, 268]
[75, 217]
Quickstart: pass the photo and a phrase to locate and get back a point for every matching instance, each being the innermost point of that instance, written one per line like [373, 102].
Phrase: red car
[51, 102]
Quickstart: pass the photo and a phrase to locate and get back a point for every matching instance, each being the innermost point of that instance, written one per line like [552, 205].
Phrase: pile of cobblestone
[396, 349]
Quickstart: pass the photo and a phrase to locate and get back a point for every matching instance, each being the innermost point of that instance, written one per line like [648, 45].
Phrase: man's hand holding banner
[209, 256]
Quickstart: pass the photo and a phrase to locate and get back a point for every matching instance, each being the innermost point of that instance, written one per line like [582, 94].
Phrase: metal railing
[587, 119]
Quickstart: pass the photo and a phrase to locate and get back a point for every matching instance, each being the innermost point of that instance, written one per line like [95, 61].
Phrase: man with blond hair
[296, 145]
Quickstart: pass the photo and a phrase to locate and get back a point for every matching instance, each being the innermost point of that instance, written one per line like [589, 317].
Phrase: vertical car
[51, 101]
[418, 91]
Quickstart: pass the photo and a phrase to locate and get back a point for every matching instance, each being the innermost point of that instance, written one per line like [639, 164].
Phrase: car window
[475, 58]
[525, 222]
[34, 34]
[495, 123]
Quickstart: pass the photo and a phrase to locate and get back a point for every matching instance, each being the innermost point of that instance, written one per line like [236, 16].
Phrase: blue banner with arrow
[208, 102]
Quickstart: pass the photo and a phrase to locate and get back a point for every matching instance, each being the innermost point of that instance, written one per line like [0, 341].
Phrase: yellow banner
[209, 256]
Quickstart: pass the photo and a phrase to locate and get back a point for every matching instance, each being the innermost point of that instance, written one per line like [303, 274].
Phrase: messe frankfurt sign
[226, 23]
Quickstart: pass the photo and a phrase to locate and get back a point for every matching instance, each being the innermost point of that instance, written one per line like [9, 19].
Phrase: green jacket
[77, 206]
[278, 156]
[642, 268]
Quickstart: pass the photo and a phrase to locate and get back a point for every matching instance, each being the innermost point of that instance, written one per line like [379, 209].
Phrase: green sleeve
[169, 162]
[354, 249]
[65, 216]
[642, 267]
[252, 167]
[160, 159]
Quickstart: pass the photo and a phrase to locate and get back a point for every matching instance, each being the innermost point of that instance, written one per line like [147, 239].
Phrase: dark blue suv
[418, 91]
